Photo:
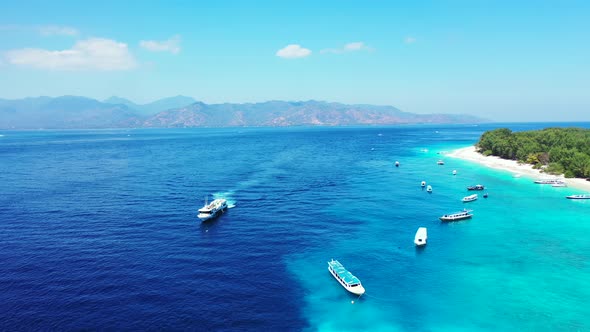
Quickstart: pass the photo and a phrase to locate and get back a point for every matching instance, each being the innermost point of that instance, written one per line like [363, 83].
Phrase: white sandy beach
[513, 166]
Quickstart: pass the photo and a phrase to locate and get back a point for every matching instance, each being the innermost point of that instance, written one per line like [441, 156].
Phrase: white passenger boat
[465, 214]
[345, 278]
[582, 196]
[469, 198]
[213, 209]
[421, 236]
[549, 181]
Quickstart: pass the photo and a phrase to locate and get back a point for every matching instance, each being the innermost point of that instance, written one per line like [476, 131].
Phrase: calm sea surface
[98, 231]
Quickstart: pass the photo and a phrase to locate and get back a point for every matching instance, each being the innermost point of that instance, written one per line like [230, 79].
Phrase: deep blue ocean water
[98, 231]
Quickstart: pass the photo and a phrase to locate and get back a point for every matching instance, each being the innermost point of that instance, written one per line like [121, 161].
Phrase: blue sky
[504, 60]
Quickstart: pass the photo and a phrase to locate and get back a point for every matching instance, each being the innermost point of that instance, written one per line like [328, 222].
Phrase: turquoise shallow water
[99, 232]
[520, 264]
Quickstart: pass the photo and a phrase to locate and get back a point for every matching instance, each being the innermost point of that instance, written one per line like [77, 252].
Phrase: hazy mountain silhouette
[81, 112]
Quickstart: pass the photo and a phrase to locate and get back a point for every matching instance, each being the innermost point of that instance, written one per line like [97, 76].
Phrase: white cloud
[51, 30]
[293, 51]
[171, 45]
[356, 46]
[409, 40]
[350, 47]
[89, 54]
[44, 30]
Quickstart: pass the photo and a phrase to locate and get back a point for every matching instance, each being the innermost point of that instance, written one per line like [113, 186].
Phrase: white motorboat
[397, 164]
[345, 278]
[213, 209]
[440, 162]
[469, 198]
[465, 214]
[423, 183]
[429, 188]
[582, 196]
[454, 172]
[549, 181]
[421, 236]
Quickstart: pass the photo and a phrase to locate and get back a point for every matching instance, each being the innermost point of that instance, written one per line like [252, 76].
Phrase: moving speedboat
[213, 209]
[465, 214]
[345, 278]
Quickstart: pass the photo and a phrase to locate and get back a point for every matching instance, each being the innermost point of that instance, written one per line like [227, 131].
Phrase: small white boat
[397, 164]
[429, 188]
[440, 162]
[213, 209]
[454, 172]
[421, 236]
[465, 214]
[423, 183]
[582, 196]
[345, 278]
[469, 198]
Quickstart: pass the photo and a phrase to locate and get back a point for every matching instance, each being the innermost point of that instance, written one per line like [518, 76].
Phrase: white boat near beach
[582, 196]
[213, 209]
[469, 198]
[549, 181]
[345, 278]
[421, 236]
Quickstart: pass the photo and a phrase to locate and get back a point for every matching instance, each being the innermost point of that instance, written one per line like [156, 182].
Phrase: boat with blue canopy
[345, 278]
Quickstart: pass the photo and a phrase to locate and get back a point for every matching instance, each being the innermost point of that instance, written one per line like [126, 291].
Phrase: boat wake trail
[231, 203]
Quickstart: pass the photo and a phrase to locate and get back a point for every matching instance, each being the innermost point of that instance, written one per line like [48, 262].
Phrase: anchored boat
[582, 196]
[469, 198]
[465, 214]
[421, 236]
[476, 187]
[345, 278]
[549, 181]
[213, 209]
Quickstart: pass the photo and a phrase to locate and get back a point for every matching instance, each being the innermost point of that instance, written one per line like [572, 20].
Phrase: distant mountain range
[69, 112]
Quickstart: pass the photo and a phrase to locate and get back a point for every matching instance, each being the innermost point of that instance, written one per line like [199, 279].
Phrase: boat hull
[578, 197]
[455, 218]
[358, 290]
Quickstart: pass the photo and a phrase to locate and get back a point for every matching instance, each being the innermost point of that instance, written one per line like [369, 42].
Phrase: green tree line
[555, 150]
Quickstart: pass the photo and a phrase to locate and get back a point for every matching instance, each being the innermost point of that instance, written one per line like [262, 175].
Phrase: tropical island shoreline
[470, 154]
